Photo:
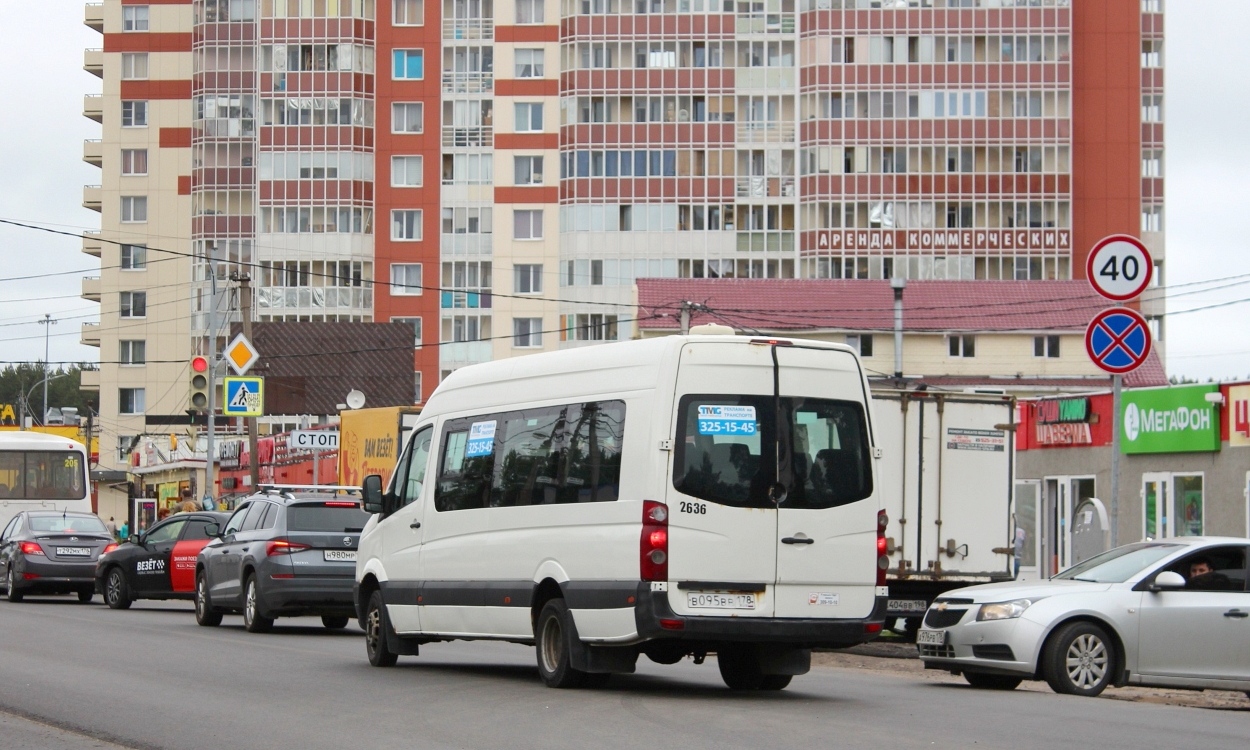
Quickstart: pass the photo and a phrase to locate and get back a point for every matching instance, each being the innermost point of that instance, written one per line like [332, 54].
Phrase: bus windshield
[42, 475]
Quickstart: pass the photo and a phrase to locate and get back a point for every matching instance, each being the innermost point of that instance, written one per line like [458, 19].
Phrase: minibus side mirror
[371, 491]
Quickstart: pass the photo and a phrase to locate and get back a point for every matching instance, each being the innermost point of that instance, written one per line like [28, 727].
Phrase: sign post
[1118, 340]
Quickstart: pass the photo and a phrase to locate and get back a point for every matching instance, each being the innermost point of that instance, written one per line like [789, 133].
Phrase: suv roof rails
[288, 488]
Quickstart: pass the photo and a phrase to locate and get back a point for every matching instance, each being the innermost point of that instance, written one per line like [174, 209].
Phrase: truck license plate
[906, 606]
[931, 637]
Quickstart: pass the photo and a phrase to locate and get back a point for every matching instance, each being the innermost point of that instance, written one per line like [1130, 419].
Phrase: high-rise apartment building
[498, 172]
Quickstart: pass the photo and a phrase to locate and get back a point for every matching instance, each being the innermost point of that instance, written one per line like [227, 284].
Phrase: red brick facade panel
[175, 138]
[155, 90]
[151, 42]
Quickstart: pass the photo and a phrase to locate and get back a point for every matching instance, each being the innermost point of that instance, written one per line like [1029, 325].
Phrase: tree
[16, 381]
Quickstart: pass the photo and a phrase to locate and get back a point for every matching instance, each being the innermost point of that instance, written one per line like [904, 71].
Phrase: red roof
[863, 305]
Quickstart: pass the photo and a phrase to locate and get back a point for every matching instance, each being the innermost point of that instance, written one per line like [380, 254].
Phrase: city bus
[42, 472]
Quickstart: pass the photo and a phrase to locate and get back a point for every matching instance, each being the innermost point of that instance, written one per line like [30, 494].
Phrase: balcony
[92, 197]
[93, 151]
[91, 244]
[93, 16]
[468, 28]
[765, 187]
[93, 62]
[91, 288]
[93, 107]
[90, 334]
[764, 131]
[89, 380]
[468, 137]
[468, 83]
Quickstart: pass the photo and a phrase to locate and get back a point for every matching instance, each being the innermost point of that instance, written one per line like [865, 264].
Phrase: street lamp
[26, 398]
[47, 324]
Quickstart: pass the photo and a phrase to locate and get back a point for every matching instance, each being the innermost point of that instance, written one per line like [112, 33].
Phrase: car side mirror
[134, 539]
[372, 494]
[1168, 579]
[212, 530]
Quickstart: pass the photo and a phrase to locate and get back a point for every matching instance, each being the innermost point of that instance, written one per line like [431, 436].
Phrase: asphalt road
[80, 676]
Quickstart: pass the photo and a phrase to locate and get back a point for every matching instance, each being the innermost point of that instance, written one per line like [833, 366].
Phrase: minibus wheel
[551, 642]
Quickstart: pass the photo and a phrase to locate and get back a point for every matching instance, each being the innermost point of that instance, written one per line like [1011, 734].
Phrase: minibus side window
[560, 454]
[831, 465]
[592, 461]
[465, 477]
[417, 457]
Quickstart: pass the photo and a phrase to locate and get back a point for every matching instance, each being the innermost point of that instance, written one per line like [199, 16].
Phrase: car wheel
[740, 668]
[86, 595]
[253, 620]
[992, 681]
[376, 627]
[13, 594]
[1080, 660]
[205, 615]
[335, 623]
[116, 592]
[552, 634]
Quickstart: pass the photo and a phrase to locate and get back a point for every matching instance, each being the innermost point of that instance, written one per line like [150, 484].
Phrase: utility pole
[245, 302]
[685, 317]
[213, 359]
[47, 324]
[898, 285]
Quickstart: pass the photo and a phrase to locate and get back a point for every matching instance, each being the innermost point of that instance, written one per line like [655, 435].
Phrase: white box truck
[945, 476]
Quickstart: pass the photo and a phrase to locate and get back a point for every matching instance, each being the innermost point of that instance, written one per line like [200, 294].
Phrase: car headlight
[1003, 610]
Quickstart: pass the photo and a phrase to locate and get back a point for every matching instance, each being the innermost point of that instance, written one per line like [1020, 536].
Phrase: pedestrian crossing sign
[243, 397]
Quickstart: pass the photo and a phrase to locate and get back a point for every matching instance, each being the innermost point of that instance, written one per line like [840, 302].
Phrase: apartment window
[134, 257]
[130, 400]
[1046, 346]
[134, 18]
[529, 117]
[134, 208]
[1152, 53]
[408, 12]
[527, 278]
[132, 305]
[592, 327]
[406, 225]
[416, 327]
[861, 343]
[134, 114]
[123, 447]
[1152, 163]
[407, 117]
[408, 65]
[963, 346]
[1152, 218]
[527, 332]
[529, 63]
[527, 170]
[416, 387]
[527, 224]
[132, 352]
[529, 11]
[134, 161]
[405, 171]
[406, 279]
[134, 66]
[1152, 108]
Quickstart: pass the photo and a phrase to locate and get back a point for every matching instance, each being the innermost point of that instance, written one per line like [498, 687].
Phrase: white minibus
[41, 472]
[680, 496]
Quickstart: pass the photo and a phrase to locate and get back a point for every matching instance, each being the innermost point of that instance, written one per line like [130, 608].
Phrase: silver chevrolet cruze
[1166, 613]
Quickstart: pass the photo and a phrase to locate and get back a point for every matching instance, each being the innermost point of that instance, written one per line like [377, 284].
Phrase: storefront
[1184, 470]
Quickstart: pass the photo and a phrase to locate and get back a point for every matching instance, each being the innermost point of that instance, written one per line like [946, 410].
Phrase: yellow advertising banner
[1239, 416]
[369, 443]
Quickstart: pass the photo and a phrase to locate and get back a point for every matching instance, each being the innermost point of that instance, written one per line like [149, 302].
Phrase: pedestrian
[112, 527]
[124, 532]
[1018, 550]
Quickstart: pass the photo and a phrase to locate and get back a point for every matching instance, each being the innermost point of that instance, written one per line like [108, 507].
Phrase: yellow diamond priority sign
[241, 355]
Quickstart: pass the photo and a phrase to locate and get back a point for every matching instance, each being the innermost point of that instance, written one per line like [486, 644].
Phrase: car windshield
[330, 516]
[1120, 564]
[67, 525]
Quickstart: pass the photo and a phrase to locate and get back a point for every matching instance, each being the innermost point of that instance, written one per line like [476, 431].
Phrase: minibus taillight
[653, 546]
[883, 559]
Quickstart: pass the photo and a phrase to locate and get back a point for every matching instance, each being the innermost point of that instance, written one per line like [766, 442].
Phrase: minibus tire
[740, 668]
[551, 646]
[376, 626]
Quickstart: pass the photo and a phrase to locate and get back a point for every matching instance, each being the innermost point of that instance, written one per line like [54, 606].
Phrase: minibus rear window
[725, 451]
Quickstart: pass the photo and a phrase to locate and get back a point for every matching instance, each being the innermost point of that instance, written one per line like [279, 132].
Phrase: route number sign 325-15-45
[1119, 267]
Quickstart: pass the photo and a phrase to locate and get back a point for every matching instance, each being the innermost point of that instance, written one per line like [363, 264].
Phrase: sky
[1207, 176]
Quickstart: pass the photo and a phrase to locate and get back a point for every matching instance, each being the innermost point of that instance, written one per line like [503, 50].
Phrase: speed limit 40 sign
[1119, 267]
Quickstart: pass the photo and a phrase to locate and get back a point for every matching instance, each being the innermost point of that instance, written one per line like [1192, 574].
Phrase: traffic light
[198, 397]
